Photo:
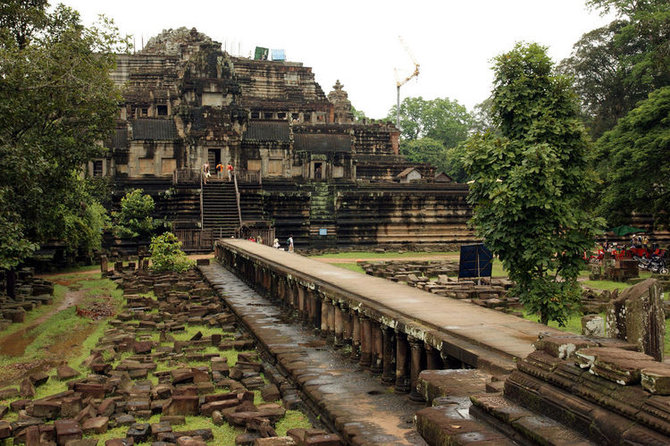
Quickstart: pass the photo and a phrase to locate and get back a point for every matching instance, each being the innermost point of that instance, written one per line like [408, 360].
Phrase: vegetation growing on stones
[530, 182]
[166, 254]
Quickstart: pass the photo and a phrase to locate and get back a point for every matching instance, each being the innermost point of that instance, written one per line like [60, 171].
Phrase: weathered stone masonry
[382, 340]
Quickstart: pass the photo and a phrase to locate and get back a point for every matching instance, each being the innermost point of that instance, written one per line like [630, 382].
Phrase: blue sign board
[476, 261]
[323, 231]
[278, 54]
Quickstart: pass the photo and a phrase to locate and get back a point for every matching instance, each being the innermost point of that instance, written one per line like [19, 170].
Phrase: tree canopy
[635, 162]
[618, 65]
[431, 129]
[57, 103]
[530, 182]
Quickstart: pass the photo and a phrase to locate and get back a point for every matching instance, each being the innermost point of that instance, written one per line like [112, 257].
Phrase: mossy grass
[293, 419]
[350, 266]
[574, 323]
[606, 285]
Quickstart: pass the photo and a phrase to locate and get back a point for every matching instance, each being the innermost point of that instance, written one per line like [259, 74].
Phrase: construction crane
[399, 83]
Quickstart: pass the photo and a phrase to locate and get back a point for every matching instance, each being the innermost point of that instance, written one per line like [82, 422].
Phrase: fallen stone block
[82, 442]
[27, 389]
[38, 378]
[139, 432]
[182, 405]
[97, 425]
[275, 441]
[270, 393]
[67, 430]
[49, 410]
[5, 429]
[656, 378]
[65, 372]
[9, 393]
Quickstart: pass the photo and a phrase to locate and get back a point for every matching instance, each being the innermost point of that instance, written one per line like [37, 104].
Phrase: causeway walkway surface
[506, 335]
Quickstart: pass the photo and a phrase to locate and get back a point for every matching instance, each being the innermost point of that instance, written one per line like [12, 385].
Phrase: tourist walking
[219, 171]
[290, 243]
[229, 169]
[205, 172]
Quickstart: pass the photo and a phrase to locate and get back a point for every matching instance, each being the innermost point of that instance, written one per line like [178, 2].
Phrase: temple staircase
[322, 216]
[219, 208]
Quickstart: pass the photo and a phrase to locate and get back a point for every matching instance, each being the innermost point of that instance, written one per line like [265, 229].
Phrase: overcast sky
[357, 41]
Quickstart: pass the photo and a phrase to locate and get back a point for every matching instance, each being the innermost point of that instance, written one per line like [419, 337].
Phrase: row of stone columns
[382, 350]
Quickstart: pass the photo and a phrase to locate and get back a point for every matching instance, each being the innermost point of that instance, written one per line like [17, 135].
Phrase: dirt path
[15, 344]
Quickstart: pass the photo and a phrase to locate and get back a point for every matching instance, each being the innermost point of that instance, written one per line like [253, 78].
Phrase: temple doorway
[213, 158]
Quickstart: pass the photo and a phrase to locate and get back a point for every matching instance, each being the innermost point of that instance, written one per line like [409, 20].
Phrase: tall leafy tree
[441, 119]
[618, 65]
[636, 159]
[429, 129]
[531, 180]
[57, 103]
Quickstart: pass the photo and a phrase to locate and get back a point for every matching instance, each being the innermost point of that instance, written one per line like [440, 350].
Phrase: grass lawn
[350, 266]
[383, 255]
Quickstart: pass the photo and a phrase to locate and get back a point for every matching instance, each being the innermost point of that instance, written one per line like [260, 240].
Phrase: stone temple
[303, 165]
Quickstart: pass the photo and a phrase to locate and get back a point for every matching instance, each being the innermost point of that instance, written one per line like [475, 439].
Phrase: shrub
[134, 219]
[166, 254]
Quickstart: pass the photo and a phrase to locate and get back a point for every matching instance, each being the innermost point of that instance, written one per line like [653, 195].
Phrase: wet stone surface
[349, 398]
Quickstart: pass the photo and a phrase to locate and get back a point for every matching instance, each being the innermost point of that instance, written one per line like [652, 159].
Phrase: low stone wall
[31, 292]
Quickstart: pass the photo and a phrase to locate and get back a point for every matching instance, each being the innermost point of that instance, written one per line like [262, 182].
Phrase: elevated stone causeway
[392, 328]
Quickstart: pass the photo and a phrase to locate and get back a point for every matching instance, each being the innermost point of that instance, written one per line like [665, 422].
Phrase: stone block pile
[399, 270]
[571, 390]
[439, 277]
[139, 370]
[31, 292]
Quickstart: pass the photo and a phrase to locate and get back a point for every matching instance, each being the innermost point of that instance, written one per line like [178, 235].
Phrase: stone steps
[522, 425]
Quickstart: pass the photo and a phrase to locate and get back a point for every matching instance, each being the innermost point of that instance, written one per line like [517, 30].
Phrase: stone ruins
[301, 162]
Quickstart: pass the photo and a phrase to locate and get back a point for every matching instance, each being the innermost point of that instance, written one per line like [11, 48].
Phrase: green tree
[57, 103]
[134, 219]
[425, 150]
[359, 115]
[635, 163]
[618, 65]
[531, 181]
[441, 119]
[430, 131]
[166, 254]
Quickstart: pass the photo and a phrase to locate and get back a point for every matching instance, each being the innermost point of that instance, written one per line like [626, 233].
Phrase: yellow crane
[399, 83]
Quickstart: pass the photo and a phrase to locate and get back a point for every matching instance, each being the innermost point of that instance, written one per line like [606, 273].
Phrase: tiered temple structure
[302, 164]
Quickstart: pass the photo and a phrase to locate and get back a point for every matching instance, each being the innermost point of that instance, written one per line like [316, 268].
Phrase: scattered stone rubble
[31, 292]
[571, 390]
[488, 292]
[134, 376]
